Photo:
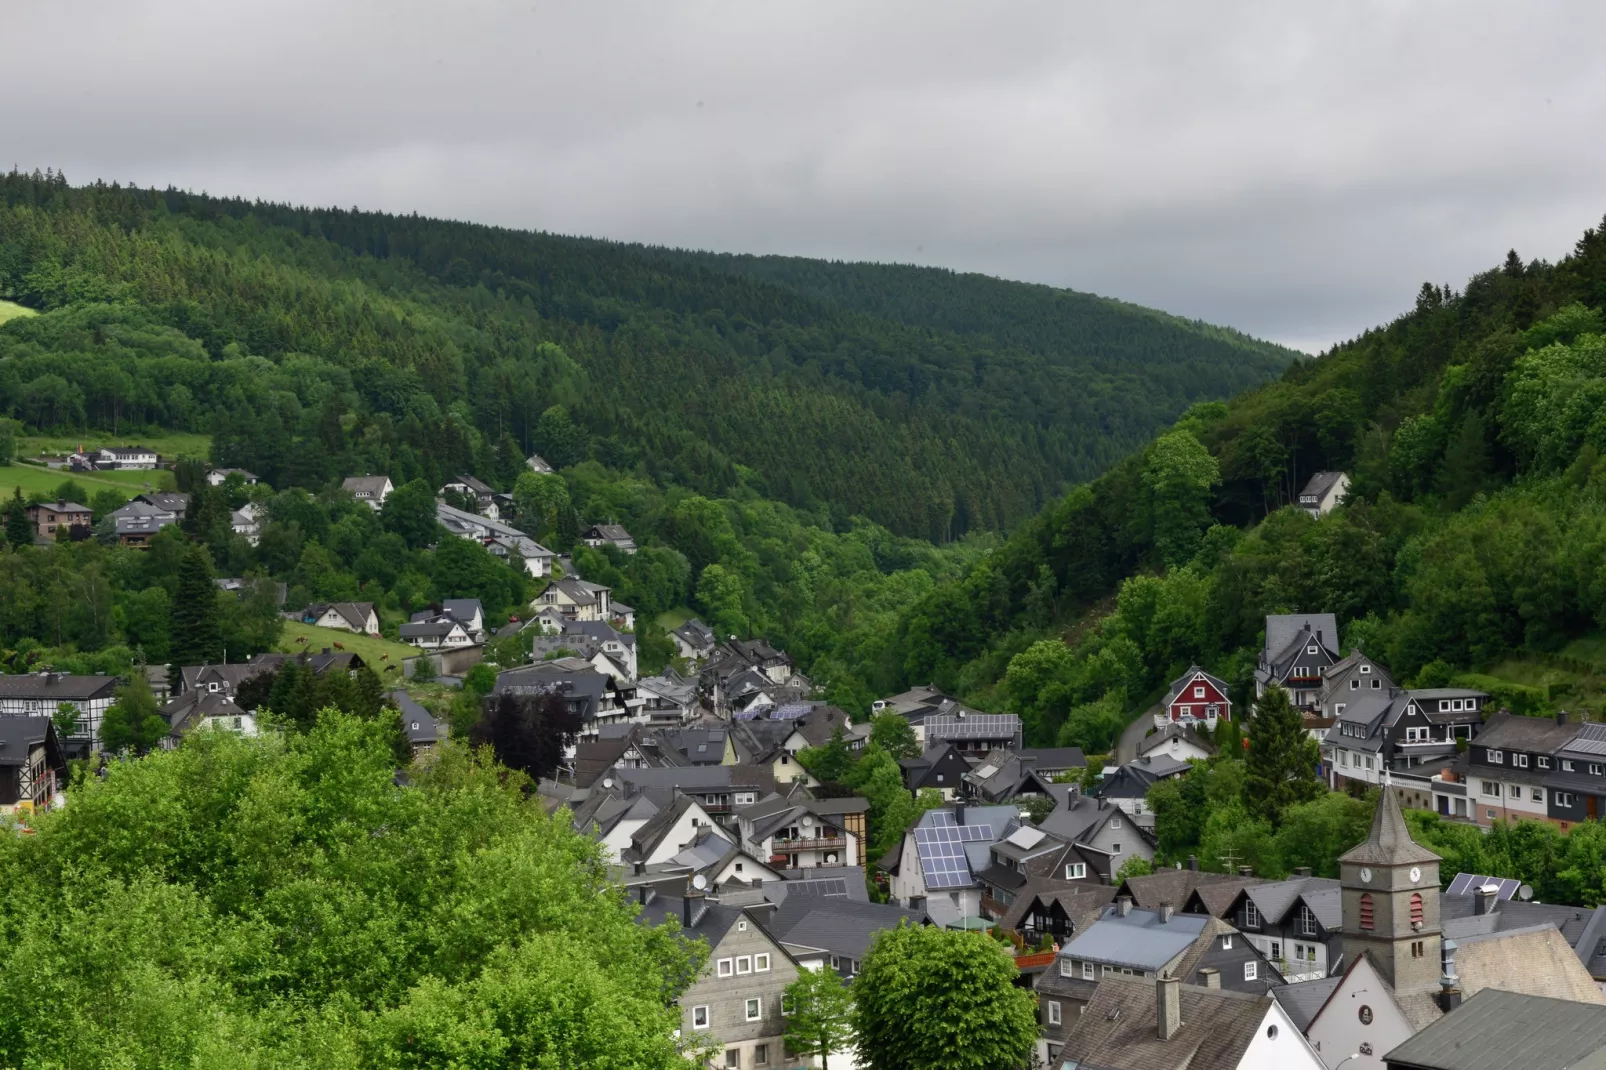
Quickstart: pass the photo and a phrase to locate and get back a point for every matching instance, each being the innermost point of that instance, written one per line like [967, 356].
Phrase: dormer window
[1497, 757]
[1366, 670]
[1520, 761]
[1311, 649]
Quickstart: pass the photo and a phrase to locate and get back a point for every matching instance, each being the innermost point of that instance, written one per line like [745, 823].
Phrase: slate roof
[1283, 629]
[1274, 899]
[594, 757]
[57, 687]
[1535, 961]
[1187, 678]
[1055, 757]
[1390, 842]
[1497, 1030]
[1302, 1001]
[1140, 940]
[711, 919]
[1540, 735]
[364, 484]
[188, 711]
[1117, 1029]
[419, 724]
[440, 627]
[18, 735]
[1175, 731]
[837, 924]
[353, 613]
[695, 633]
[1174, 886]
[1082, 901]
[610, 532]
[1319, 484]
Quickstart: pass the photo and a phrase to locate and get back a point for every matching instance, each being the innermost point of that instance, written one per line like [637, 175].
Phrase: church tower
[1390, 891]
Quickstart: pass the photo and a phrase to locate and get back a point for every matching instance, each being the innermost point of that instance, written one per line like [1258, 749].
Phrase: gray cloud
[1293, 169]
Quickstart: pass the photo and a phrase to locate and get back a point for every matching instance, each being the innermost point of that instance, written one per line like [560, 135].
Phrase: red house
[1198, 696]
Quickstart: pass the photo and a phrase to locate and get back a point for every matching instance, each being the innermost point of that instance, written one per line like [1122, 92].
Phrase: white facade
[1503, 800]
[1360, 1022]
[694, 820]
[1279, 1045]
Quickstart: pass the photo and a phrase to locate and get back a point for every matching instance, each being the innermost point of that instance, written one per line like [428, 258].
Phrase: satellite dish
[700, 882]
[808, 819]
[1526, 892]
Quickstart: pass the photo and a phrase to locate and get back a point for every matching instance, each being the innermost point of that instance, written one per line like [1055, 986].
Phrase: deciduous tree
[819, 1016]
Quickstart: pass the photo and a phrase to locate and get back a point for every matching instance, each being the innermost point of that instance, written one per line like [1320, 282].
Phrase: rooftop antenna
[1230, 860]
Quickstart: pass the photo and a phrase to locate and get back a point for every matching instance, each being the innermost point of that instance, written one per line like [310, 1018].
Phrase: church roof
[1390, 842]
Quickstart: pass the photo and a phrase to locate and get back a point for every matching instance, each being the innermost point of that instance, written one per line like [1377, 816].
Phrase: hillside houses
[1323, 493]
[41, 694]
[1196, 697]
[1298, 648]
[358, 618]
[502, 540]
[370, 490]
[599, 535]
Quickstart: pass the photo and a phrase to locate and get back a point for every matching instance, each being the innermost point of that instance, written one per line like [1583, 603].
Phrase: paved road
[1126, 748]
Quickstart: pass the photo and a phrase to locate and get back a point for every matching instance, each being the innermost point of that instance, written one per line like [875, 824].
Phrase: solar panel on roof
[1469, 883]
[829, 886]
[942, 857]
[1591, 739]
[938, 818]
[791, 711]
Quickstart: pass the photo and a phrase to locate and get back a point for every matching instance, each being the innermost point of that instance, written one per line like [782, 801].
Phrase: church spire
[1390, 842]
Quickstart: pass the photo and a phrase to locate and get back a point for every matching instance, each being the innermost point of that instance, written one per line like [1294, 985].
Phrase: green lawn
[10, 311]
[169, 444]
[670, 619]
[1590, 648]
[372, 650]
[33, 479]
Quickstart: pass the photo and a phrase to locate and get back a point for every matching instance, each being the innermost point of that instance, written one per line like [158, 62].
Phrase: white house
[246, 522]
[1323, 493]
[218, 476]
[355, 617]
[126, 457]
[371, 490]
[435, 634]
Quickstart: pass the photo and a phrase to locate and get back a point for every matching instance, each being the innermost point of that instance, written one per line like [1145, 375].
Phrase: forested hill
[1473, 547]
[934, 404]
[1062, 326]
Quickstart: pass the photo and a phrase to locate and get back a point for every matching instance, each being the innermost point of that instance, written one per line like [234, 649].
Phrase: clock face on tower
[1366, 875]
[1416, 874]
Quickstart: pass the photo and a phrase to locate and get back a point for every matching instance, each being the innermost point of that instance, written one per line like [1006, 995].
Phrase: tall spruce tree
[197, 628]
[1281, 765]
[19, 532]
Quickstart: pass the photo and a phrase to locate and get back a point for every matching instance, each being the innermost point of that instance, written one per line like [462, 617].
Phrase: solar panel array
[973, 726]
[1591, 739]
[942, 853]
[791, 711]
[824, 886]
[1469, 883]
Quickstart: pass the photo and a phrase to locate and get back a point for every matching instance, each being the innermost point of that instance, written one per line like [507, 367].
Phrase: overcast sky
[1292, 169]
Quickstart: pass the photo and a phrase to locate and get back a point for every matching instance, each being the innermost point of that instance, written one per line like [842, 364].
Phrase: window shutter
[1366, 910]
[1416, 908]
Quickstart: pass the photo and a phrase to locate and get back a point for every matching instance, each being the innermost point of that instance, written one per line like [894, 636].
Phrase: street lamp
[1340, 1066]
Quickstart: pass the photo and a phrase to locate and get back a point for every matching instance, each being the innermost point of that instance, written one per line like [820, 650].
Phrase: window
[1307, 921]
[1497, 757]
[1076, 871]
[1520, 761]
[1087, 971]
[1367, 917]
[1562, 798]
[786, 759]
[724, 967]
[1198, 692]
[1566, 765]
[733, 1057]
[1068, 968]
[1365, 669]
[1491, 788]
[1416, 949]
[1416, 908]
[699, 1017]
[1250, 970]
[761, 964]
[1251, 914]
[741, 926]
[1343, 757]
[1053, 1012]
[1542, 762]
[755, 1010]
[1115, 822]
[1377, 684]
[761, 1054]
[1311, 649]
[1594, 769]
[1115, 848]
[1489, 814]
[744, 964]
[1416, 735]
[1354, 685]
[1226, 941]
[1538, 794]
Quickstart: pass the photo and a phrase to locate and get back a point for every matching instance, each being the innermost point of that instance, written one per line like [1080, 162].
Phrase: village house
[42, 694]
[370, 490]
[136, 523]
[500, 539]
[799, 833]
[47, 517]
[246, 521]
[125, 457]
[693, 640]
[598, 699]
[218, 476]
[201, 709]
[575, 599]
[933, 868]
[1298, 647]
[599, 535]
[436, 632]
[33, 764]
[1053, 762]
[834, 931]
[1056, 909]
[469, 489]
[1029, 853]
[1128, 787]
[1413, 732]
[1508, 766]
[736, 998]
[1196, 696]
[1176, 742]
[358, 618]
[1098, 824]
[535, 464]
[1296, 923]
[974, 733]
[940, 767]
[1002, 776]
[774, 741]
[668, 698]
[1323, 493]
[424, 732]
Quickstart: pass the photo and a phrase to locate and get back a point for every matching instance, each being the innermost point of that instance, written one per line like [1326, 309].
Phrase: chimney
[1449, 983]
[959, 813]
[1123, 905]
[1210, 977]
[1301, 871]
[1166, 910]
[1193, 863]
[1168, 1013]
[685, 910]
[1484, 898]
[641, 894]
[1102, 802]
[1246, 871]
[1561, 716]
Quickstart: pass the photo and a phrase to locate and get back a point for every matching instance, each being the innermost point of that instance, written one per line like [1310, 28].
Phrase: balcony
[818, 843]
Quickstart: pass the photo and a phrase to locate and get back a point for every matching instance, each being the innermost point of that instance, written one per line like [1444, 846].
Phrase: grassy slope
[11, 311]
[372, 650]
[168, 444]
[33, 479]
